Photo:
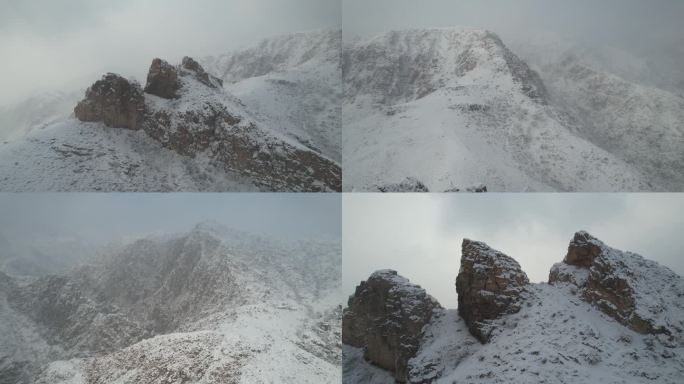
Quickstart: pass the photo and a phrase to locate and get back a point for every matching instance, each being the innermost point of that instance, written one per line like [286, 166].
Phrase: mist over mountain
[199, 306]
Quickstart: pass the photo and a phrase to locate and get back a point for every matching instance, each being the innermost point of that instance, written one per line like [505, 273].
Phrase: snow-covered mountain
[209, 306]
[604, 316]
[187, 133]
[454, 107]
[291, 82]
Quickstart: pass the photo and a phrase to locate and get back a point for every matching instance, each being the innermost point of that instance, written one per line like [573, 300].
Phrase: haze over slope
[211, 305]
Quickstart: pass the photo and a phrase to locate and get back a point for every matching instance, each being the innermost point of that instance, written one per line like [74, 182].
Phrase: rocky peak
[403, 66]
[638, 293]
[201, 75]
[489, 284]
[386, 315]
[162, 80]
[114, 100]
[583, 250]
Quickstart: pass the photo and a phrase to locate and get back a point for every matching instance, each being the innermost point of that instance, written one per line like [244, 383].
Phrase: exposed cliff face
[634, 291]
[115, 101]
[386, 316]
[489, 285]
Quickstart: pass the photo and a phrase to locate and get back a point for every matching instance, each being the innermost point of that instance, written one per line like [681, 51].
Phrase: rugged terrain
[209, 306]
[455, 107]
[184, 131]
[604, 316]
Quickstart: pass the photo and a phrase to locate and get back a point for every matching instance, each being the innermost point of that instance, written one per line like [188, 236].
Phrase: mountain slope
[455, 107]
[292, 83]
[196, 136]
[566, 331]
[210, 306]
[640, 124]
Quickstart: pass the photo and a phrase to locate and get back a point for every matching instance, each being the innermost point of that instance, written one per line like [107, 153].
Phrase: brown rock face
[115, 101]
[162, 80]
[205, 78]
[489, 284]
[605, 280]
[582, 251]
[386, 315]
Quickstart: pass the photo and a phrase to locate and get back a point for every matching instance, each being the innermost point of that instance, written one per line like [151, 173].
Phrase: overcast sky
[100, 217]
[638, 23]
[420, 235]
[51, 44]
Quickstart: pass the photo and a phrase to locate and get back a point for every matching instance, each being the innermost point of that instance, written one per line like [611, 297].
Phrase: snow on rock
[115, 101]
[196, 136]
[489, 284]
[386, 316]
[638, 293]
[454, 107]
[555, 335]
[212, 305]
[292, 83]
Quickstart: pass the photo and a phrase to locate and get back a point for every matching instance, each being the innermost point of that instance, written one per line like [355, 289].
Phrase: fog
[420, 235]
[625, 22]
[100, 218]
[49, 45]
[640, 40]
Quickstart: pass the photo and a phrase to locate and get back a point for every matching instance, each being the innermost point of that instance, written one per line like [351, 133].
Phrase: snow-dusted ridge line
[286, 137]
[453, 107]
[212, 305]
[559, 334]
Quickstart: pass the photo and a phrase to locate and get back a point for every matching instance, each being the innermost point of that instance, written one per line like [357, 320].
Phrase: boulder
[115, 101]
[386, 316]
[163, 80]
[489, 285]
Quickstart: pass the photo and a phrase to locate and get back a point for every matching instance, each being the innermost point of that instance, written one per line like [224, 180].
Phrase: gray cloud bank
[101, 218]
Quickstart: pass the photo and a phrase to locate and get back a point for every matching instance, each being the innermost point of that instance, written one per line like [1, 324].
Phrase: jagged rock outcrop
[632, 290]
[162, 80]
[386, 316]
[115, 101]
[207, 122]
[489, 284]
[204, 77]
